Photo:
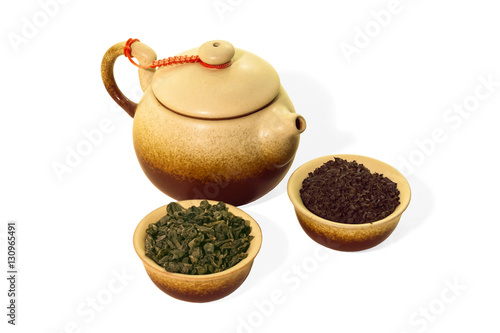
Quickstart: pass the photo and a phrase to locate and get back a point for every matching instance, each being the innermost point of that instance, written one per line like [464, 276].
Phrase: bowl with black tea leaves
[348, 202]
[197, 250]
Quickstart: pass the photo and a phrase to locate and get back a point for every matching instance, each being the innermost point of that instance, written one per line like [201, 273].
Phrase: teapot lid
[242, 84]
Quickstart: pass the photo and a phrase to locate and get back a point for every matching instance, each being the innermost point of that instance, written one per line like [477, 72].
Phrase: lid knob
[216, 52]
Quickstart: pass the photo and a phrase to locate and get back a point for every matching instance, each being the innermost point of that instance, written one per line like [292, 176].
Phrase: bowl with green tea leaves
[197, 250]
[348, 202]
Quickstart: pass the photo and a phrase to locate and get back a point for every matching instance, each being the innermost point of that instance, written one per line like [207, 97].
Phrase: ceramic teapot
[213, 123]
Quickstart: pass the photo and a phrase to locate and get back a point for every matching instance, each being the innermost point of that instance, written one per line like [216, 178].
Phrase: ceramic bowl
[197, 288]
[341, 236]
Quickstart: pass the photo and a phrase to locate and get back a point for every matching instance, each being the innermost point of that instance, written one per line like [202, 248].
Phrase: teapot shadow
[314, 102]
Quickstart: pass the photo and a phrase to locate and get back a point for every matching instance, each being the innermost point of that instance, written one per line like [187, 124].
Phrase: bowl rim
[155, 215]
[375, 166]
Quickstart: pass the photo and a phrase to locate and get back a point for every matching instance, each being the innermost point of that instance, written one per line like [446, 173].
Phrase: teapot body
[233, 160]
[220, 129]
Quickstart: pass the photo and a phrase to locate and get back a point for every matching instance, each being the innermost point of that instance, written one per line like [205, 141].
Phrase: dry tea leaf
[198, 240]
[348, 192]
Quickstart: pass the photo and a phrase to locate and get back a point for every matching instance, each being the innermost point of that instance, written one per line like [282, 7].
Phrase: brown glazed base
[196, 294]
[345, 244]
[236, 192]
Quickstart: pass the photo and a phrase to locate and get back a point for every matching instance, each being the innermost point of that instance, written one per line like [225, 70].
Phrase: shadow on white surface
[273, 251]
[314, 102]
[419, 209]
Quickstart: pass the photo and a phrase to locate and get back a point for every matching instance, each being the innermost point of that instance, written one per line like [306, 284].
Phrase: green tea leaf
[174, 207]
[201, 239]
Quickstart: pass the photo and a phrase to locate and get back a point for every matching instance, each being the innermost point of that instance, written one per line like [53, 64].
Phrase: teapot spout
[280, 134]
[300, 123]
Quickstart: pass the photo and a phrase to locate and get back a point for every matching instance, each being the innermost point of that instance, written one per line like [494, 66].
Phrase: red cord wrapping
[176, 60]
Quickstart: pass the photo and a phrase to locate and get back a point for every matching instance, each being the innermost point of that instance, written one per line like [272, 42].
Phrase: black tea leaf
[347, 192]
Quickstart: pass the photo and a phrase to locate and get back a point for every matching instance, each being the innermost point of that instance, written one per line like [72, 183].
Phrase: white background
[384, 101]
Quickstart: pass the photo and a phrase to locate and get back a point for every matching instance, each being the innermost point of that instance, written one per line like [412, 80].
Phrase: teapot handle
[144, 54]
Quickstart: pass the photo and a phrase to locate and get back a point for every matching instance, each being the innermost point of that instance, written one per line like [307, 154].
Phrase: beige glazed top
[247, 85]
